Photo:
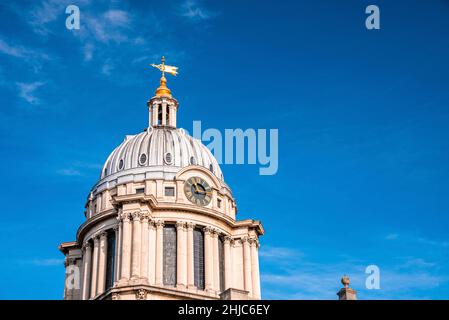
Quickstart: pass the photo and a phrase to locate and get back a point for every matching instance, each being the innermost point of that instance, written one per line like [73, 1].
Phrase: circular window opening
[168, 158]
[192, 161]
[121, 164]
[142, 159]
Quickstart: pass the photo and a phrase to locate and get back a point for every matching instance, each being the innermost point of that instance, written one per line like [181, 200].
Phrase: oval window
[168, 158]
[121, 164]
[192, 161]
[142, 159]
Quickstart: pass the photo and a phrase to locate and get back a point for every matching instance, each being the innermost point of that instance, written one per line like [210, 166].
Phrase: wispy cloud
[47, 262]
[69, 172]
[392, 236]
[27, 91]
[191, 9]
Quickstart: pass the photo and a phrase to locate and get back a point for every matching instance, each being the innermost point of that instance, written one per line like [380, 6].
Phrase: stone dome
[159, 150]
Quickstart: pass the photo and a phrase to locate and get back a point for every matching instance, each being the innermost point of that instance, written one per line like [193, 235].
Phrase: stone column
[118, 244]
[126, 247]
[87, 269]
[144, 248]
[93, 285]
[227, 263]
[137, 238]
[255, 268]
[159, 252]
[208, 259]
[154, 115]
[190, 254]
[247, 266]
[216, 267]
[152, 253]
[101, 283]
[181, 257]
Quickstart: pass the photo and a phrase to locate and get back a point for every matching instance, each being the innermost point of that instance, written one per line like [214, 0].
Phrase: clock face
[198, 191]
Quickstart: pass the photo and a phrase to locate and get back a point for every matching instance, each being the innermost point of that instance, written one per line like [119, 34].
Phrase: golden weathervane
[163, 90]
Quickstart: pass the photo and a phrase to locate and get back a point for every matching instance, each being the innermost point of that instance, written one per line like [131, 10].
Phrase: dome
[159, 150]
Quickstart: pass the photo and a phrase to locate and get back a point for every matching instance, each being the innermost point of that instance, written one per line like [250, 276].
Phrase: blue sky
[362, 118]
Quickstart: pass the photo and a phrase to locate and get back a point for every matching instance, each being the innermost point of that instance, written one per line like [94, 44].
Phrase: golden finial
[163, 90]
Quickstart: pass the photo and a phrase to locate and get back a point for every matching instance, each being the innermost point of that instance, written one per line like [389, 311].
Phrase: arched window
[198, 258]
[159, 116]
[169, 255]
[167, 113]
[110, 260]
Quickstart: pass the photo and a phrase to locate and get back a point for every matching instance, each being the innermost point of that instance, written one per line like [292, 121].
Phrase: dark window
[170, 255]
[169, 191]
[167, 112]
[221, 262]
[198, 258]
[140, 190]
[110, 260]
[159, 116]
[219, 203]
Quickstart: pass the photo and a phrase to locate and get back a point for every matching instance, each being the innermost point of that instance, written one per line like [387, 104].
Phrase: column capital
[115, 228]
[125, 216]
[190, 225]
[145, 216]
[159, 224]
[103, 235]
[215, 232]
[207, 230]
[136, 215]
[180, 225]
[227, 240]
[86, 245]
[254, 242]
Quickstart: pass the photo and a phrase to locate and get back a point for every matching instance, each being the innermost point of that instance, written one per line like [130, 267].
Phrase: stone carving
[115, 296]
[141, 294]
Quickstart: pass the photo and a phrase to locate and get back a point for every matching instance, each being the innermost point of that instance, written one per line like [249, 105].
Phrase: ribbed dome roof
[156, 147]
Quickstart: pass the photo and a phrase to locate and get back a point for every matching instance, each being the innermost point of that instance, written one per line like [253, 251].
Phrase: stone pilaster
[159, 252]
[208, 259]
[144, 248]
[227, 263]
[87, 269]
[216, 263]
[93, 285]
[247, 266]
[254, 244]
[152, 253]
[190, 256]
[125, 269]
[137, 238]
[181, 256]
[103, 249]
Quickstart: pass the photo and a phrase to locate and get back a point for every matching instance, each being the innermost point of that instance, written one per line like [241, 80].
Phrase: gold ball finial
[163, 90]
